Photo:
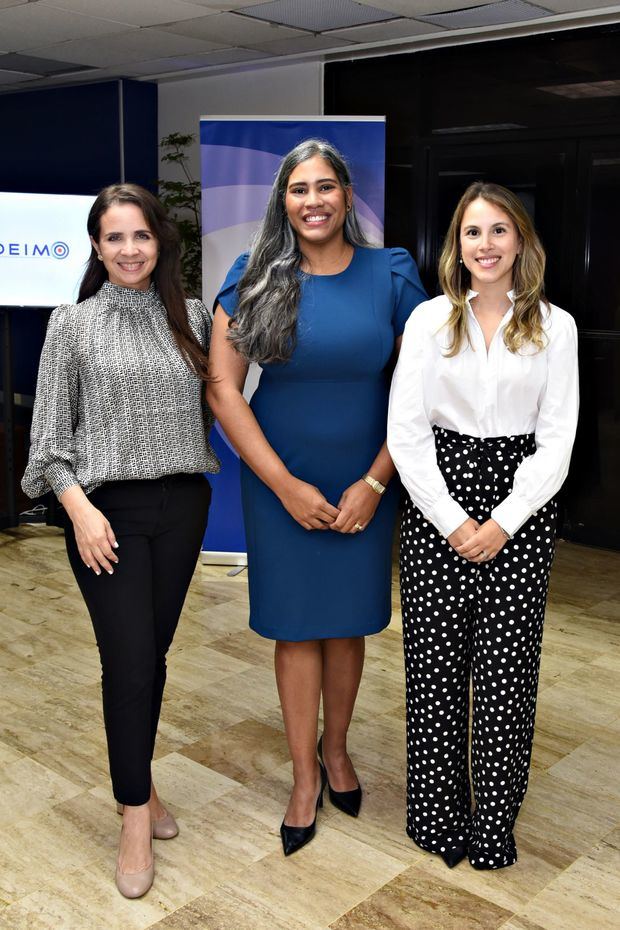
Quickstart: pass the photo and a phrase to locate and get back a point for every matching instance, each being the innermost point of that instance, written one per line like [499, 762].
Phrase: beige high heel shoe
[135, 884]
[165, 828]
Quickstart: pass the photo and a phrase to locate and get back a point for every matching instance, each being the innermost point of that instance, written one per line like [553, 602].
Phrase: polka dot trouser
[465, 621]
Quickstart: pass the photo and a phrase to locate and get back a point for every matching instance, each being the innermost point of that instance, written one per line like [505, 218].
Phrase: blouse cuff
[512, 513]
[60, 477]
[446, 514]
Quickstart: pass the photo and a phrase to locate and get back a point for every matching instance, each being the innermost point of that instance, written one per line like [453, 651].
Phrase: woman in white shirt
[483, 412]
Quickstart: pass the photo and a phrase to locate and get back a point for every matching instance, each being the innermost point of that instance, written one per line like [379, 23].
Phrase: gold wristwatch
[374, 484]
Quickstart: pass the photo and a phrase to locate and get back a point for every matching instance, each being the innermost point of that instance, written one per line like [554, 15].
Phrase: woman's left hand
[357, 508]
[484, 544]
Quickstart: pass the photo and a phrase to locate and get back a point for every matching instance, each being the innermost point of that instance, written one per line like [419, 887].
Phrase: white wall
[281, 91]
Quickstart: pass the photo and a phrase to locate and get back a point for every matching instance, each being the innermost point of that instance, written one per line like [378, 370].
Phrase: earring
[460, 261]
[100, 256]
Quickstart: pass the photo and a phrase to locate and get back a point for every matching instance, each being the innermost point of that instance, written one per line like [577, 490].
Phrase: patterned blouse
[115, 399]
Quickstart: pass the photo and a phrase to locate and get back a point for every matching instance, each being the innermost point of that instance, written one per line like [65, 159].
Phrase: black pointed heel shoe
[293, 838]
[349, 802]
[453, 856]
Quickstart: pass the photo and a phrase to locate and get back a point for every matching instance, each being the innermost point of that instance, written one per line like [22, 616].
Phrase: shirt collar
[130, 298]
[510, 294]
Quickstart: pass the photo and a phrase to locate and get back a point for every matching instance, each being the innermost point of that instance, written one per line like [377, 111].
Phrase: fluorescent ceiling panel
[416, 8]
[316, 15]
[24, 27]
[585, 90]
[29, 64]
[15, 77]
[145, 13]
[489, 14]
[380, 32]
[577, 6]
[232, 29]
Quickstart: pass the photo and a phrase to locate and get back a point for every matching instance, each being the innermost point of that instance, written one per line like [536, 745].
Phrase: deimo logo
[56, 249]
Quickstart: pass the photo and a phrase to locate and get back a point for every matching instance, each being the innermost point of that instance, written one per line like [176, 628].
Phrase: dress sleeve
[51, 463]
[407, 288]
[410, 437]
[542, 474]
[227, 297]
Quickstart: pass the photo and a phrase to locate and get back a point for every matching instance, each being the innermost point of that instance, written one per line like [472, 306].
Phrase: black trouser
[485, 621]
[159, 526]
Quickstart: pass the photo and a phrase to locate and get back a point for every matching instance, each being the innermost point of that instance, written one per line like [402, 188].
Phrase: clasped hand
[476, 542]
[95, 539]
[308, 506]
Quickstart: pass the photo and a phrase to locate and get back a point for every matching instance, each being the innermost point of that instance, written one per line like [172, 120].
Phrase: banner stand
[224, 558]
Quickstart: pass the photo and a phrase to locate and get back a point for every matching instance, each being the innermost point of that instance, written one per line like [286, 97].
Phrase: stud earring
[460, 261]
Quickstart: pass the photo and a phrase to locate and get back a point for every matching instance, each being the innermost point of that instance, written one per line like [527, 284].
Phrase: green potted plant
[182, 200]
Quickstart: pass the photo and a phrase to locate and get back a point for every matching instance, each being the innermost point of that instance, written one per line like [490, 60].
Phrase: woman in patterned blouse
[120, 435]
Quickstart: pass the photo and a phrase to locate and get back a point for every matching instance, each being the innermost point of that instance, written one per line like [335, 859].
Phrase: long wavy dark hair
[528, 272]
[264, 325]
[167, 272]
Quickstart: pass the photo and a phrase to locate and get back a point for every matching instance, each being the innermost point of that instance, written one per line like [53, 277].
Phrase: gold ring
[358, 526]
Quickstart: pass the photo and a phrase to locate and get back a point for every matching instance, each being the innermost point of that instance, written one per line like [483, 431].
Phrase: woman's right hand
[306, 505]
[464, 532]
[93, 534]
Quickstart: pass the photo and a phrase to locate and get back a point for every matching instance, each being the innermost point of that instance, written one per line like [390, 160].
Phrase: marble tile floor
[222, 767]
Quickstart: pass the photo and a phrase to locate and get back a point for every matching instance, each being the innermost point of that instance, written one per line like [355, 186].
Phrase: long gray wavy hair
[264, 325]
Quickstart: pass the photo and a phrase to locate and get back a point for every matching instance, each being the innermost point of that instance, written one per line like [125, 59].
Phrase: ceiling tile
[378, 32]
[232, 29]
[316, 15]
[224, 56]
[26, 26]
[146, 13]
[137, 45]
[223, 6]
[308, 43]
[15, 77]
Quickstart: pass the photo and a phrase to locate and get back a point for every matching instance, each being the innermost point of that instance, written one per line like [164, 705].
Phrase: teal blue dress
[325, 412]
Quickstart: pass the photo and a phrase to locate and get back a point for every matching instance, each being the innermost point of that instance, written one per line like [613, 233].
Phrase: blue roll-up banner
[239, 160]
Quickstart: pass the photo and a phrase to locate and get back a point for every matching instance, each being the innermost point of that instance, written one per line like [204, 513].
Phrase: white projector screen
[43, 248]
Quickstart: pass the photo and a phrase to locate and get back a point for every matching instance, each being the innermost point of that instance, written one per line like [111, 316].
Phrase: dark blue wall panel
[140, 133]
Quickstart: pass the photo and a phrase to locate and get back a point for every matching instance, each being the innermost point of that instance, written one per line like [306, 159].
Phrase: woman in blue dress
[322, 313]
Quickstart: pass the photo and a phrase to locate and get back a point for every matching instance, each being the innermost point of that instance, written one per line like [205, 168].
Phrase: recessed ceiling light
[488, 14]
[583, 90]
[316, 15]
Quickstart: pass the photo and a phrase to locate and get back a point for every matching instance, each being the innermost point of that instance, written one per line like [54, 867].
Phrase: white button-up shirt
[483, 394]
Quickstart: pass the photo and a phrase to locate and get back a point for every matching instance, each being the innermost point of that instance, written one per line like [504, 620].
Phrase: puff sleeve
[227, 296]
[408, 290]
[51, 464]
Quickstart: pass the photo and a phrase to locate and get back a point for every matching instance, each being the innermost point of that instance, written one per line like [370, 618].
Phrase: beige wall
[281, 91]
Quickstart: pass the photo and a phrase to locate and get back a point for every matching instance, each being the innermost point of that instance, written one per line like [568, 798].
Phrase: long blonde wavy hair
[528, 273]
